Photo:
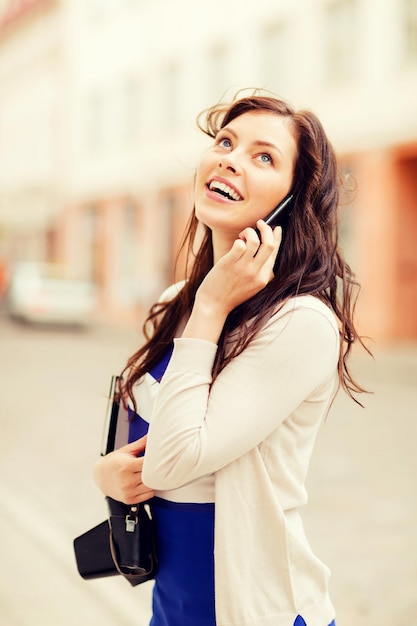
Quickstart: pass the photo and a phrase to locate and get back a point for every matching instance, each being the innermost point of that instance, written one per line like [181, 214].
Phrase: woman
[238, 372]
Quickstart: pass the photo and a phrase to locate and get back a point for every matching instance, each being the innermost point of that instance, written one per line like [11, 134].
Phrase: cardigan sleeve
[198, 427]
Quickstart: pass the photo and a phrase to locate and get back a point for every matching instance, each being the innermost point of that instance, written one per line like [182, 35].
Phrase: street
[361, 518]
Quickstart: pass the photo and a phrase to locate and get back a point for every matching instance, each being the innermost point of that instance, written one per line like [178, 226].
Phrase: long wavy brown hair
[309, 262]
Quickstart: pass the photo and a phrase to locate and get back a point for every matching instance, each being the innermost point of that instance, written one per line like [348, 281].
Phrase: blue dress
[183, 593]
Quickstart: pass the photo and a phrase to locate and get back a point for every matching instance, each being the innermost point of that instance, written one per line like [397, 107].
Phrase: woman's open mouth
[224, 190]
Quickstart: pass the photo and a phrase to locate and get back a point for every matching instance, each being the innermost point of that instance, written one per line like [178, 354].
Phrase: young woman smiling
[241, 364]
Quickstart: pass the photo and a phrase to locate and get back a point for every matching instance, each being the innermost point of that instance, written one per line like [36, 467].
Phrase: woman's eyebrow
[257, 142]
[267, 144]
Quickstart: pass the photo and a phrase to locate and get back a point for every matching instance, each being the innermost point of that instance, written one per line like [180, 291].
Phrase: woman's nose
[230, 163]
[227, 167]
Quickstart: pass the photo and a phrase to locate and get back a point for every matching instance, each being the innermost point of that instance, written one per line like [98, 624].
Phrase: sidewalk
[395, 363]
[362, 514]
[361, 517]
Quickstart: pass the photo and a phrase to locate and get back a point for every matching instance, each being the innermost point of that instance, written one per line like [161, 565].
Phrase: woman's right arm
[237, 276]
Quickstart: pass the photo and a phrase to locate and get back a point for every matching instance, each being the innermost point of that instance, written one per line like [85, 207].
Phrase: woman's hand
[244, 270]
[237, 276]
[119, 474]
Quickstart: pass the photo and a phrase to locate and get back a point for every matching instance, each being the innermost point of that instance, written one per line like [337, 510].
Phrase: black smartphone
[280, 214]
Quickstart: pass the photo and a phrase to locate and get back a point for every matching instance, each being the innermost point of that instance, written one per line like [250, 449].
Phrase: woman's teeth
[224, 190]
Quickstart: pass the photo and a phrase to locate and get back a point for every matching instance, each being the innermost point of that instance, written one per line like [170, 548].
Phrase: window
[410, 30]
[170, 101]
[98, 10]
[127, 280]
[8, 7]
[11, 10]
[217, 79]
[276, 57]
[133, 111]
[89, 250]
[340, 26]
[167, 215]
[95, 121]
[348, 210]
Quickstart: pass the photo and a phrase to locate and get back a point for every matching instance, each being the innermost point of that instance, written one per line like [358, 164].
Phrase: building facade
[32, 141]
[98, 142]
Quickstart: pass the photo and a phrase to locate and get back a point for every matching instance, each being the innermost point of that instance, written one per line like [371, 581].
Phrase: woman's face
[246, 172]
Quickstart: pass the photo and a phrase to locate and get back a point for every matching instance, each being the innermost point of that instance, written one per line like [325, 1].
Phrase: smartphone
[280, 214]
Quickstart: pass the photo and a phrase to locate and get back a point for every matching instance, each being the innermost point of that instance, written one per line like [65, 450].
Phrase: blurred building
[98, 143]
[32, 110]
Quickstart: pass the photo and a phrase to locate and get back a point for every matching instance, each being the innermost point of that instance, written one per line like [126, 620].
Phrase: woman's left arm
[198, 426]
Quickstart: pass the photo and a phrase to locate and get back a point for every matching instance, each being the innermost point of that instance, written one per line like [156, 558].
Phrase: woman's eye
[225, 143]
[265, 158]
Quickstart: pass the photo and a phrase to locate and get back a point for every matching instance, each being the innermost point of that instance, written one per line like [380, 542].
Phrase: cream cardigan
[255, 428]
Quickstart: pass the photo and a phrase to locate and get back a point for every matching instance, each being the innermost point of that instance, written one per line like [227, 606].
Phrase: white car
[44, 293]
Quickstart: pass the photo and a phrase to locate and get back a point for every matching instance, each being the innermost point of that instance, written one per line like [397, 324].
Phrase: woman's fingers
[251, 240]
[238, 249]
[241, 273]
[135, 447]
[263, 250]
[119, 474]
[270, 239]
[140, 494]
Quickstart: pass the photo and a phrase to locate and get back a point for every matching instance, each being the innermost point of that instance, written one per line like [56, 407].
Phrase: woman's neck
[221, 245]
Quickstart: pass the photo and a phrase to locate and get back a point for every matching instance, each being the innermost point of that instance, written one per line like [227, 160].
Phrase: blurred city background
[98, 146]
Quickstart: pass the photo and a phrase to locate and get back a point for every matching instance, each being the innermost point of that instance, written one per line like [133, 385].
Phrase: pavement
[361, 518]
